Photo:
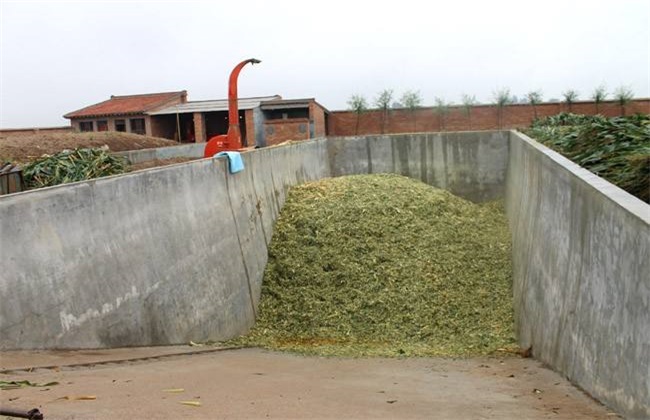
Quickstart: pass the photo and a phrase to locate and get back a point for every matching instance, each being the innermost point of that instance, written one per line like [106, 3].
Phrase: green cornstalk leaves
[617, 149]
[71, 166]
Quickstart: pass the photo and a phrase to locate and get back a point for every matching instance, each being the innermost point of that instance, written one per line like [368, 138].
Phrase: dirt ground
[253, 383]
[24, 148]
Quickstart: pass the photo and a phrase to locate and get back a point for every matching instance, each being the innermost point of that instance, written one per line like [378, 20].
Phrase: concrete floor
[253, 383]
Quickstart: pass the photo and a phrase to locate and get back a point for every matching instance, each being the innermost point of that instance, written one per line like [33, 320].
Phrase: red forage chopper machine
[232, 140]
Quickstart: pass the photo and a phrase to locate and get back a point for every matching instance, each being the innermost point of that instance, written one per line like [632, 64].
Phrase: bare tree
[502, 98]
[570, 96]
[623, 96]
[383, 103]
[468, 103]
[442, 109]
[412, 101]
[358, 105]
[598, 96]
[534, 98]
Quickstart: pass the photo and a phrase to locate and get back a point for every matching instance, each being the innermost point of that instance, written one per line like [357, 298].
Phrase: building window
[86, 126]
[137, 126]
[286, 114]
[120, 125]
[102, 125]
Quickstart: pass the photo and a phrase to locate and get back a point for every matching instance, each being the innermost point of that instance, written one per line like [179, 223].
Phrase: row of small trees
[412, 100]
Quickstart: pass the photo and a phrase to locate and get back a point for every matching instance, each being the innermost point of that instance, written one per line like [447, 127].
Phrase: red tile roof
[131, 104]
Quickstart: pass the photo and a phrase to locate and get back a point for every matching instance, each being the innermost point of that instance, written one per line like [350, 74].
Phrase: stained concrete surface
[581, 283]
[15, 360]
[253, 383]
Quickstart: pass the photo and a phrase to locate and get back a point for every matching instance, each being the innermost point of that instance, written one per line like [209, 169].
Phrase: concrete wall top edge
[48, 190]
[55, 188]
[611, 191]
[151, 149]
[420, 133]
[615, 194]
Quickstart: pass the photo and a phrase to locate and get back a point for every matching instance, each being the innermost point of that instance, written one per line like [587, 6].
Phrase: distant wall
[480, 117]
[471, 165]
[279, 131]
[192, 150]
[317, 120]
[6, 132]
[581, 262]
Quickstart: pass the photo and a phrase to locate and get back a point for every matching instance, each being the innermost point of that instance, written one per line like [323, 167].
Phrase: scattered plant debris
[79, 397]
[389, 266]
[174, 390]
[6, 385]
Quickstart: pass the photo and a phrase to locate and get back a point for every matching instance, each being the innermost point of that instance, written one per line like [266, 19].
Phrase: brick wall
[161, 126]
[249, 118]
[110, 121]
[317, 117]
[278, 131]
[199, 127]
[482, 117]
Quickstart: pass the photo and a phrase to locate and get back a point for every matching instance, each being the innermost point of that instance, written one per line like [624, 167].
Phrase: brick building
[269, 120]
[264, 121]
[124, 113]
[293, 119]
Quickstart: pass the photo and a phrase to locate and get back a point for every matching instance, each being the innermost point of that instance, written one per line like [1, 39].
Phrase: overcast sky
[57, 56]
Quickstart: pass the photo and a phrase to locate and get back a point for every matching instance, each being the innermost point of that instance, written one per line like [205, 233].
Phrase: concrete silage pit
[571, 233]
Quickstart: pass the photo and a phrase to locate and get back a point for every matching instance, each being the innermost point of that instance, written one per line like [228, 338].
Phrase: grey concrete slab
[581, 261]
[472, 165]
[254, 384]
[193, 150]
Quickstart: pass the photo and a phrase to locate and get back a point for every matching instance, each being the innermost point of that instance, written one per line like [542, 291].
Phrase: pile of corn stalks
[71, 166]
[617, 149]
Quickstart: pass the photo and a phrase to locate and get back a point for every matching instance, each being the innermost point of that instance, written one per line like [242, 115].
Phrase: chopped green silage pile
[388, 266]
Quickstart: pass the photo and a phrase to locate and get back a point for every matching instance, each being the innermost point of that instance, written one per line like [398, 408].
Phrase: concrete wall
[581, 261]
[193, 150]
[471, 165]
[154, 257]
